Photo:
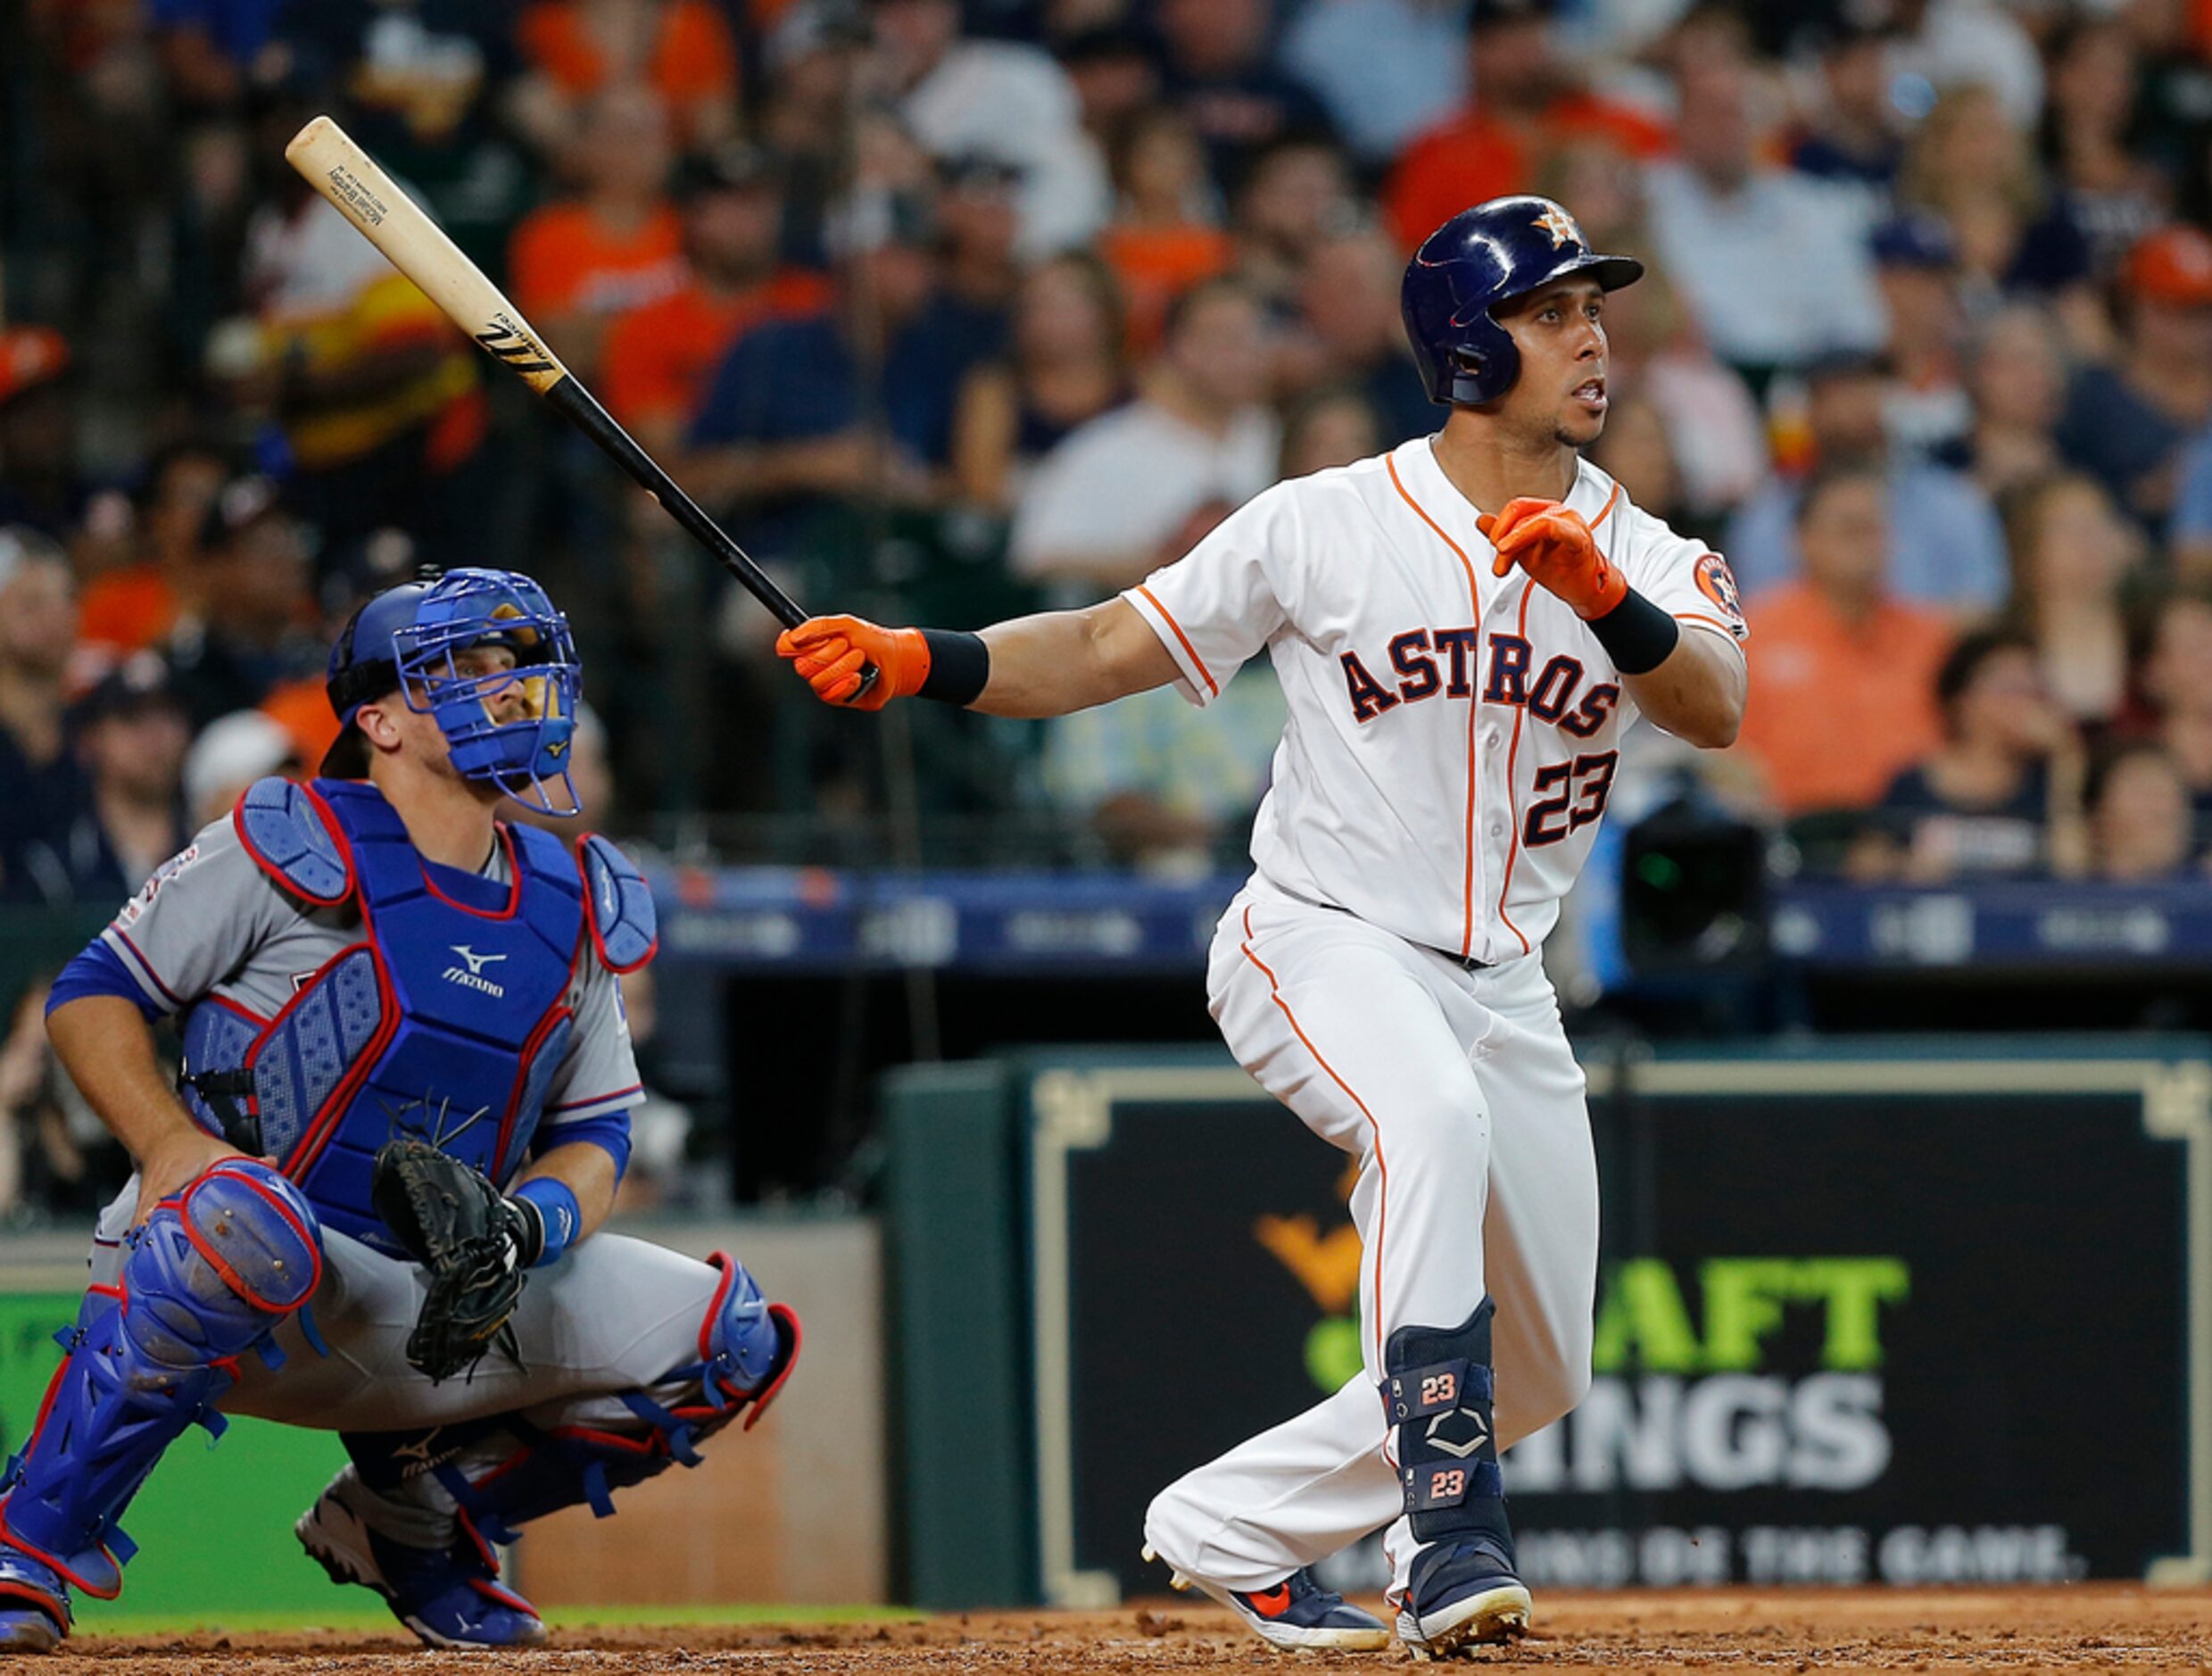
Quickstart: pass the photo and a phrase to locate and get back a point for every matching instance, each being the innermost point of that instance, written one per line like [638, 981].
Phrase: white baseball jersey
[1452, 735]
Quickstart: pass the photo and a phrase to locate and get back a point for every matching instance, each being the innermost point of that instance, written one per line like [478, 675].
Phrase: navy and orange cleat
[1461, 1595]
[1296, 1615]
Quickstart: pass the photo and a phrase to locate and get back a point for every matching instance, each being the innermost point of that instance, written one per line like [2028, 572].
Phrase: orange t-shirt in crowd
[303, 710]
[1838, 709]
[693, 55]
[1474, 157]
[660, 356]
[564, 259]
[1157, 264]
[127, 610]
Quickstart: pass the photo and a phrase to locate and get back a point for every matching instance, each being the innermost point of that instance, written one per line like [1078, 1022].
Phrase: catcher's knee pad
[206, 1277]
[747, 1348]
[1437, 1394]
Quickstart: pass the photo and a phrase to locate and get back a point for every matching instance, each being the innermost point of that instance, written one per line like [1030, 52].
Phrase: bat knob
[870, 674]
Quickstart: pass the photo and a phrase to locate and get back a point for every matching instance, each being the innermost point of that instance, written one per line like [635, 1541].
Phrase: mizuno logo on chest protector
[474, 978]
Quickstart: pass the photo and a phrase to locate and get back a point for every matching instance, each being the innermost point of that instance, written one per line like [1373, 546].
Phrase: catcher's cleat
[34, 1603]
[1296, 1615]
[451, 1597]
[1461, 1596]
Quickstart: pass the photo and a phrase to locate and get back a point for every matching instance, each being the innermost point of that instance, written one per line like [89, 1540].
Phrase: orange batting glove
[1555, 546]
[831, 652]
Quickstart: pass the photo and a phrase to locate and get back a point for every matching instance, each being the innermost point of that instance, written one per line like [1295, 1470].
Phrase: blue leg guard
[206, 1279]
[747, 1348]
[416, 1515]
[1438, 1395]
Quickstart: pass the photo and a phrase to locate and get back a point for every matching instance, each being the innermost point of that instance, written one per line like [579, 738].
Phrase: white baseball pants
[1458, 1095]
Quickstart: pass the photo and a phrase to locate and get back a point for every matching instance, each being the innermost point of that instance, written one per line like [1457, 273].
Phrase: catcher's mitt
[474, 1242]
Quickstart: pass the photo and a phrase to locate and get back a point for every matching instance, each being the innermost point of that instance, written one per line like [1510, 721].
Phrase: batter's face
[1559, 394]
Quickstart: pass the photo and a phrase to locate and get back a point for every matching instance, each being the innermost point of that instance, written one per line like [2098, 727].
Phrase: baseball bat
[326, 156]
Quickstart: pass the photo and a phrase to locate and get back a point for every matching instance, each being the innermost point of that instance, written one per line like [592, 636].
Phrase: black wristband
[530, 1238]
[1637, 634]
[959, 666]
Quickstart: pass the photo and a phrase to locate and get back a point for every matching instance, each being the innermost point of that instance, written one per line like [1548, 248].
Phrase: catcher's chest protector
[444, 1021]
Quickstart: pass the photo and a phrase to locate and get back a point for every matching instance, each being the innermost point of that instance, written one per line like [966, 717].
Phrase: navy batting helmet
[1478, 259]
[404, 640]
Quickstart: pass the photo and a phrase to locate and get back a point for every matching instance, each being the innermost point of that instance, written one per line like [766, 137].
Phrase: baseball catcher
[369, 1203]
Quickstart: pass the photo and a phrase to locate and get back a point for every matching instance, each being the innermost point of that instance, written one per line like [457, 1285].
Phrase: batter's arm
[1697, 693]
[1059, 661]
[1050, 664]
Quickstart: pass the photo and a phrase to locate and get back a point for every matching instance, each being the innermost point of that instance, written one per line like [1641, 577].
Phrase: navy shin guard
[1437, 1395]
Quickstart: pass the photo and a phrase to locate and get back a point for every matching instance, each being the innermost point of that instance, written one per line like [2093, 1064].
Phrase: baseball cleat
[451, 1597]
[1298, 1614]
[34, 1603]
[1461, 1595]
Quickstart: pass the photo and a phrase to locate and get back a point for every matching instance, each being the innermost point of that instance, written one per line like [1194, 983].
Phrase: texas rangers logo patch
[1717, 583]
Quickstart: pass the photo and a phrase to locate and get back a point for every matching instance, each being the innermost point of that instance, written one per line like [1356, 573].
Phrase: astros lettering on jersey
[1452, 735]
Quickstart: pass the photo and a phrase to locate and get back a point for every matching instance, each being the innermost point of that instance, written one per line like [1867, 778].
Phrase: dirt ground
[2086, 1627]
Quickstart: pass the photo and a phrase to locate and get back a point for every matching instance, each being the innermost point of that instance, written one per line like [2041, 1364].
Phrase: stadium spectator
[2140, 828]
[1970, 43]
[2125, 420]
[1164, 789]
[1853, 136]
[2112, 196]
[788, 424]
[1296, 192]
[1333, 426]
[1217, 65]
[577, 49]
[1947, 549]
[1773, 265]
[1164, 236]
[1928, 411]
[1968, 163]
[1385, 69]
[133, 607]
[376, 396]
[660, 355]
[1983, 804]
[207, 48]
[42, 784]
[578, 263]
[40, 485]
[1846, 694]
[2071, 557]
[1638, 454]
[227, 756]
[252, 629]
[420, 84]
[1065, 367]
[977, 225]
[816, 57]
[1522, 104]
[1098, 509]
[2016, 381]
[998, 99]
[1350, 331]
[2177, 683]
[131, 734]
[1112, 75]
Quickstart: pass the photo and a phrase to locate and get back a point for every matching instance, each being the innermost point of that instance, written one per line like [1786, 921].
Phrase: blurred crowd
[951, 310]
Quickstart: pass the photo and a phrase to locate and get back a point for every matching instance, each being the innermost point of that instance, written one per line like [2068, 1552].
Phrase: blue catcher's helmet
[405, 639]
[1478, 259]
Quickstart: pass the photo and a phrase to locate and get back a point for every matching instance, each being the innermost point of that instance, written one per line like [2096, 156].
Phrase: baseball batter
[1464, 628]
[370, 1203]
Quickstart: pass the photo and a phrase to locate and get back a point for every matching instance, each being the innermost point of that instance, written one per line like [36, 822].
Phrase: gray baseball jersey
[210, 921]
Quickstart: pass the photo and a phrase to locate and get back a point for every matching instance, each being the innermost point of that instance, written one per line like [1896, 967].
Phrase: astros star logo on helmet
[1561, 226]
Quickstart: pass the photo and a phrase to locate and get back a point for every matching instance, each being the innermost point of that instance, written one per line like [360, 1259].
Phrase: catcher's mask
[407, 638]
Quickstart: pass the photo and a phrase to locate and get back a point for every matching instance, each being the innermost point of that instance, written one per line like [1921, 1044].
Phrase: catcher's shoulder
[617, 905]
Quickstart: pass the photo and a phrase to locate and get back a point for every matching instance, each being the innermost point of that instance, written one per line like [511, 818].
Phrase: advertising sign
[1859, 1321]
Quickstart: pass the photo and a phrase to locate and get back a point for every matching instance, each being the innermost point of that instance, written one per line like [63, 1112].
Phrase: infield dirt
[2090, 1627]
